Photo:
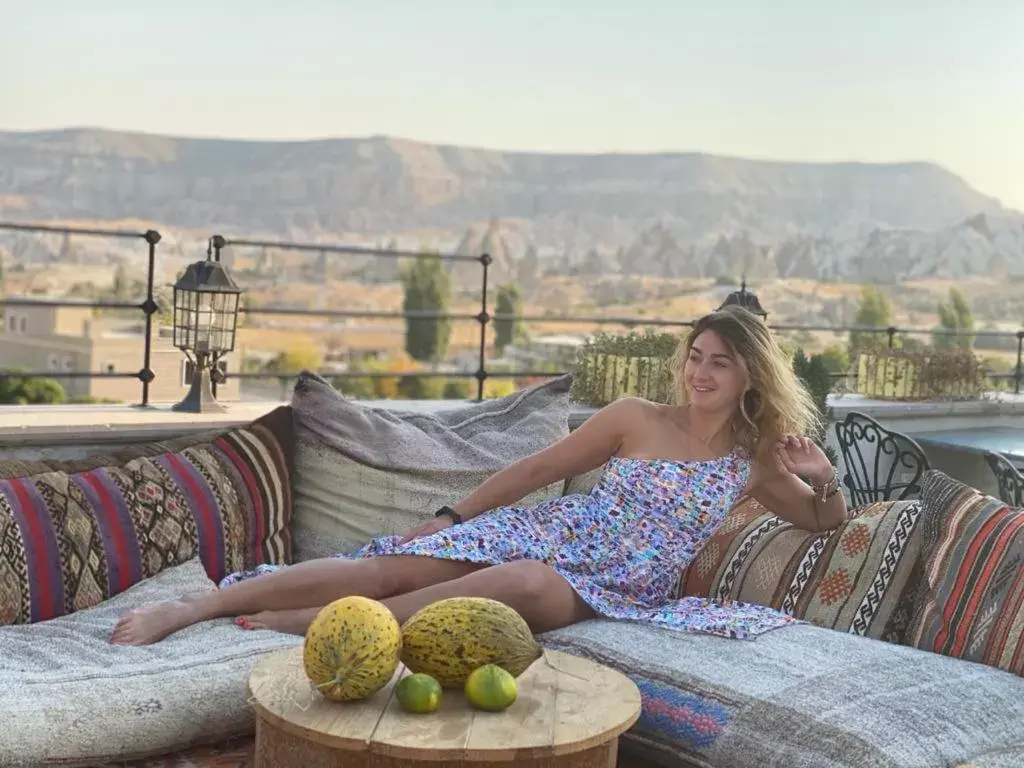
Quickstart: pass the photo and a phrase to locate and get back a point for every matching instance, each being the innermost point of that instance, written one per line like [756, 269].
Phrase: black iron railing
[149, 307]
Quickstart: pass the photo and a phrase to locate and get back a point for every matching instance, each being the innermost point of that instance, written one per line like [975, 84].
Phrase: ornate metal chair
[1009, 478]
[881, 465]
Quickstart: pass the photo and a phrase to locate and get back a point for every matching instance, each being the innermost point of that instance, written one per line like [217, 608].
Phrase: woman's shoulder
[634, 401]
[631, 418]
[636, 406]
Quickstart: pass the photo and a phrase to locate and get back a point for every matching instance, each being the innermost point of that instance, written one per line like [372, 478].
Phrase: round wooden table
[568, 715]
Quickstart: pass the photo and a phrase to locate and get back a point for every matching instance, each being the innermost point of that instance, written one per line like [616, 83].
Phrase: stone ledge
[74, 424]
[85, 424]
[35, 425]
[992, 404]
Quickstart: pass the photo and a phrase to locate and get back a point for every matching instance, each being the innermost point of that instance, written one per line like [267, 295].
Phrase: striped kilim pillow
[69, 540]
[971, 604]
[859, 578]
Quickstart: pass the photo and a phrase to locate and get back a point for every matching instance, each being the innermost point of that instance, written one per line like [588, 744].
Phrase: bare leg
[542, 597]
[539, 594]
[295, 621]
[304, 585]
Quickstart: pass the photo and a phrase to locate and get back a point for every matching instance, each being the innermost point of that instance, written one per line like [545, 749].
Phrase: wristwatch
[446, 510]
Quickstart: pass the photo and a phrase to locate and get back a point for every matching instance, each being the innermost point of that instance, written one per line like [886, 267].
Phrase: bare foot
[155, 622]
[293, 622]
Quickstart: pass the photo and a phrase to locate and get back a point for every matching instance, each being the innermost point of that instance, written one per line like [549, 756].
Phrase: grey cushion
[362, 471]
[805, 697]
[69, 697]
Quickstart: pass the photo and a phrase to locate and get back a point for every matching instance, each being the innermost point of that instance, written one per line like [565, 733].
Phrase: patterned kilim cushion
[87, 457]
[803, 697]
[971, 604]
[859, 578]
[71, 539]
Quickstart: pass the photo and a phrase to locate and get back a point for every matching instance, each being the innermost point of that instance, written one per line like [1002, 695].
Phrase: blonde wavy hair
[775, 403]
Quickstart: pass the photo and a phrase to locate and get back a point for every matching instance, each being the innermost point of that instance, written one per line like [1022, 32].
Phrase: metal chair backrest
[1009, 478]
[881, 465]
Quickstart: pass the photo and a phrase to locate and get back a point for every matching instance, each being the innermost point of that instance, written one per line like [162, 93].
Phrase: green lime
[491, 688]
[418, 693]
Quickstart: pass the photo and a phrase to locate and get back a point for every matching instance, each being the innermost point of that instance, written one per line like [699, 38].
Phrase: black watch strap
[446, 510]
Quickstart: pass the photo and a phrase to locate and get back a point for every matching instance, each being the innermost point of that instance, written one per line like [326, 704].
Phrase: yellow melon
[448, 639]
[352, 648]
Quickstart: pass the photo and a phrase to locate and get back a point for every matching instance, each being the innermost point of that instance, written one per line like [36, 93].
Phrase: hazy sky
[784, 79]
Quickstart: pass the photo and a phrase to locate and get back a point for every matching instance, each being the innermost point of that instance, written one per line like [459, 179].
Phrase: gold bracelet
[827, 490]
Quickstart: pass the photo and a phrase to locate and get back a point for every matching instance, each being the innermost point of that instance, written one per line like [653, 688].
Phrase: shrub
[459, 389]
[611, 366]
[928, 374]
[814, 373]
[419, 387]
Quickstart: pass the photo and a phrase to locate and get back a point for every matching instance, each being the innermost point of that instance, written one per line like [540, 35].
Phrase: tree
[357, 388]
[506, 331]
[457, 389]
[998, 366]
[954, 315]
[909, 343]
[1005, 343]
[836, 359]
[527, 270]
[419, 387]
[814, 374]
[18, 390]
[244, 305]
[875, 311]
[302, 357]
[40, 391]
[163, 295]
[121, 288]
[427, 289]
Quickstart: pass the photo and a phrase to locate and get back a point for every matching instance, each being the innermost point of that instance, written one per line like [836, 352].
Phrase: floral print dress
[622, 547]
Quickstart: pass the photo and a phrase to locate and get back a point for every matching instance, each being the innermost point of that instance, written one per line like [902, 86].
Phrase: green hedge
[635, 364]
[928, 374]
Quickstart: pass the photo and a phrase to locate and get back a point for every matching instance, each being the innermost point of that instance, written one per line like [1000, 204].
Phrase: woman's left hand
[803, 458]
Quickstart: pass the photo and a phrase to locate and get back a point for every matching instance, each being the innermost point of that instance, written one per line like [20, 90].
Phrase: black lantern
[745, 299]
[205, 321]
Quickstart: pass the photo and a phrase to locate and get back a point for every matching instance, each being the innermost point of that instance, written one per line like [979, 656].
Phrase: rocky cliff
[682, 213]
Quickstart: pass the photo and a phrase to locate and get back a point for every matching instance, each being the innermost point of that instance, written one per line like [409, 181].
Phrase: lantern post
[206, 303]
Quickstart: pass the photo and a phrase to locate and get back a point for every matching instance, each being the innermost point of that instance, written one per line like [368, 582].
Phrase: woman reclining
[739, 426]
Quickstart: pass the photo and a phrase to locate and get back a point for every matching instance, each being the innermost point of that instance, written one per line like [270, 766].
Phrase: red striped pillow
[70, 540]
[971, 604]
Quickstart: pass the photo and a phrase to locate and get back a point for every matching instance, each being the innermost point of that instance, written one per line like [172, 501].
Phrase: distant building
[57, 340]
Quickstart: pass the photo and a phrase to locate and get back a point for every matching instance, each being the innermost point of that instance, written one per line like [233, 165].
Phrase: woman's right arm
[585, 448]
